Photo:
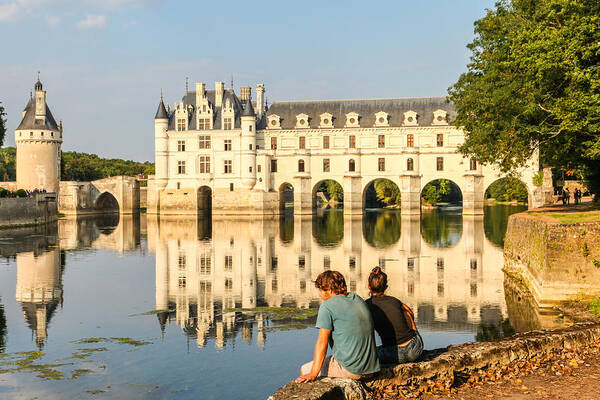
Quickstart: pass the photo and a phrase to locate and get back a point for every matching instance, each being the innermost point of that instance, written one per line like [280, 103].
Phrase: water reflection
[450, 274]
[2, 328]
[496, 221]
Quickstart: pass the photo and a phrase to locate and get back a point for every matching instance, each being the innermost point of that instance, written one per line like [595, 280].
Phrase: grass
[119, 340]
[279, 313]
[572, 217]
[152, 312]
[595, 306]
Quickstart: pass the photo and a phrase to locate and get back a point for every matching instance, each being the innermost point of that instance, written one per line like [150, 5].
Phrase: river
[161, 308]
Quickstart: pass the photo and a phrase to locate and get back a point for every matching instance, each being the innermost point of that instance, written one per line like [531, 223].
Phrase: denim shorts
[401, 354]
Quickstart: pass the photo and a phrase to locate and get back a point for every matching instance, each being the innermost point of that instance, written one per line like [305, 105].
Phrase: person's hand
[306, 378]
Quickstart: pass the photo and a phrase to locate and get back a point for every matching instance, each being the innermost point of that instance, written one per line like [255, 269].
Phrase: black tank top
[390, 322]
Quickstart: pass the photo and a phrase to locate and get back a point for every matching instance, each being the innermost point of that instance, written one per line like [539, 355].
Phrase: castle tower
[248, 144]
[38, 139]
[161, 145]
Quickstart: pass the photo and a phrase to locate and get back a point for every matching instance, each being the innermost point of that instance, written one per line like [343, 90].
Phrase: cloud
[53, 21]
[7, 11]
[92, 21]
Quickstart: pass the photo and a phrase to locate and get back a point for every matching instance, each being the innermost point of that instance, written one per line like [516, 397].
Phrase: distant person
[394, 322]
[567, 196]
[344, 321]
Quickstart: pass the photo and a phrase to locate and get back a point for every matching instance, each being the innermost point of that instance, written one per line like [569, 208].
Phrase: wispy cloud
[8, 11]
[92, 21]
[53, 21]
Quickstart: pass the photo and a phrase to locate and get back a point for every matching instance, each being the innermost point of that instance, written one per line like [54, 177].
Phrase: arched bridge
[117, 194]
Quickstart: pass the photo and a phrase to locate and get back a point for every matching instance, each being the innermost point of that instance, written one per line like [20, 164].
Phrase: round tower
[38, 138]
[248, 123]
[161, 146]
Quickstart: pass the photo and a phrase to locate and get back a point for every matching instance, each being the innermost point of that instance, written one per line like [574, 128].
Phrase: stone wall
[556, 260]
[12, 186]
[35, 210]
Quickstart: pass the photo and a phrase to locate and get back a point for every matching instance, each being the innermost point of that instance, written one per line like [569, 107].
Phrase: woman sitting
[394, 322]
[345, 322]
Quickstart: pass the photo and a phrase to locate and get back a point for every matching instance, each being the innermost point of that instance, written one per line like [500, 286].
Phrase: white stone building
[214, 151]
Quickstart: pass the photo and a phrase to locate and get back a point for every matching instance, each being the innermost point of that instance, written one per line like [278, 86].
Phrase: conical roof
[248, 109]
[161, 113]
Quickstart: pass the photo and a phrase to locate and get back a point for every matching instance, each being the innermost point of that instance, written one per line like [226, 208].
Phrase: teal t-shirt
[352, 338]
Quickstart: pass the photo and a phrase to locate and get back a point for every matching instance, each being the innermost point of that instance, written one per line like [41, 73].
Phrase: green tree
[7, 164]
[2, 124]
[508, 189]
[387, 192]
[533, 82]
[434, 192]
[333, 189]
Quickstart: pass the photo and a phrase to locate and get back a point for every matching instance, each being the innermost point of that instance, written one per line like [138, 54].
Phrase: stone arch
[204, 200]
[523, 184]
[369, 191]
[286, 196]
[106, 203]
[456, 194]
[319, 197]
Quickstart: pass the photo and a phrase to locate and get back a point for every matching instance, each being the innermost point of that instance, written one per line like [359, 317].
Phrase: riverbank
[39, 209]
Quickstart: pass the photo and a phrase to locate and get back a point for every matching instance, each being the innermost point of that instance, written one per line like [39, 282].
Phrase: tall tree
[2, 124]
[533, 82]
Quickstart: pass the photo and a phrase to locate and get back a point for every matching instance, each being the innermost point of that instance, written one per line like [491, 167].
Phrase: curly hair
[332, 280]
[378, 280]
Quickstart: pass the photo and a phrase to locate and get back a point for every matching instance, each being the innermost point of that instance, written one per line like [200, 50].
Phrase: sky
[103, 63]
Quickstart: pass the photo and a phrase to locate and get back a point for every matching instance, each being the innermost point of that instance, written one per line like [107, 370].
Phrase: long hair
[332, 280]
[378, 280]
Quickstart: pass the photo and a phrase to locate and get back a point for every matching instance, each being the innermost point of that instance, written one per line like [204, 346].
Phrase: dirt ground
[568, 375]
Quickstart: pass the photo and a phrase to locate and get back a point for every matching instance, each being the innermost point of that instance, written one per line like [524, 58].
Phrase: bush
[4, 193]
[21, 193]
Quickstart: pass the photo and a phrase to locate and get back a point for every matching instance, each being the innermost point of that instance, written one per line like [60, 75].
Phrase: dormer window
[352, 120]
[440, 117]
[382, 119]
[302, 121]
[326, 121]
[410, 118]
[274, 122]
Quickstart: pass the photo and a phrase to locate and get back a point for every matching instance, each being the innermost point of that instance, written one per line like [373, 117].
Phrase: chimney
[40, 103]
[260, 100]
[200, 89]
[246, 93]
[219, 89]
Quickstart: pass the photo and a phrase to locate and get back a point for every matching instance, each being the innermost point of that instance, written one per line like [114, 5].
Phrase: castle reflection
[450, 275]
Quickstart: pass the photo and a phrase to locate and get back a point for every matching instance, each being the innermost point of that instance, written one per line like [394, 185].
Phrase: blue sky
[104, 62]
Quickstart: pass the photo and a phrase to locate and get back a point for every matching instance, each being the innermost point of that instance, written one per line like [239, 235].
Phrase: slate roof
[28, 121]
[366, 109]
[248, 110]
[190, 99]
[162, 111]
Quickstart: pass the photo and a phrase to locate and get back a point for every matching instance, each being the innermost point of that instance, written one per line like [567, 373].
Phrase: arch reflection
[442, 227]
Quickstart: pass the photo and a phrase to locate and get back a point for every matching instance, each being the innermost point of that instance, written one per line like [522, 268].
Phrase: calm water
[146, 307]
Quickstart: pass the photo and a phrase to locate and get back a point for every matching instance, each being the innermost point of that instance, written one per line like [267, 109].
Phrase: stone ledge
[443, 365]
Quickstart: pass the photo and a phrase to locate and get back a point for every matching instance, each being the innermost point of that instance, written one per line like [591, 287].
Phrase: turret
[248, 122]
[161, 142]
[38, 139]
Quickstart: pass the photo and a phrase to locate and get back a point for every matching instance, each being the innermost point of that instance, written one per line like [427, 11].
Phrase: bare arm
[320, 351]
[410, 316]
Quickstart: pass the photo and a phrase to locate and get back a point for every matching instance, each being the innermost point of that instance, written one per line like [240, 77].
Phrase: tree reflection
[441, 228]
[381, 228]
[328, 227]
[2, 329]
[495, 221]
[286, 228]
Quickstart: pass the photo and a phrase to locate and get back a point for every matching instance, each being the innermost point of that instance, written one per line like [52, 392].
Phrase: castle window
[231, 187]
[326, 263]
[473, 264]
[250, 146]
[227, 124]
[325, 142]
[178, 185]
[352, 120]
[227, 167]
[352, 262]
[300, 165]
[204, 142]
[381, 119]
[302, 142]
[472, 164]
[381, 141]
[302, 121]
[410, 118]
[250, 169]
[228, 284]
[204, 164]
[42, 134]
[410, 140]
[326, 120]
[250, 128]
[181, 124]
[227, 144]
[204, 108]
[51, 134]
[352, 141]
[30, 134]
[181, 145]
[274, 122]
[204, 123]
[440, 263]
[258, 168]
[440, 163]
[181, 167]
[440, 140]
[439, 117]
[273, 165]
[351, 166]
[410, 263]
[410, 164]
[381, 164]
[326, 165]
[301, 262]
[273, 143]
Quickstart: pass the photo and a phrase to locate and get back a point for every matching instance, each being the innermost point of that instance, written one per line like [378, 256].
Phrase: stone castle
[215, 150]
